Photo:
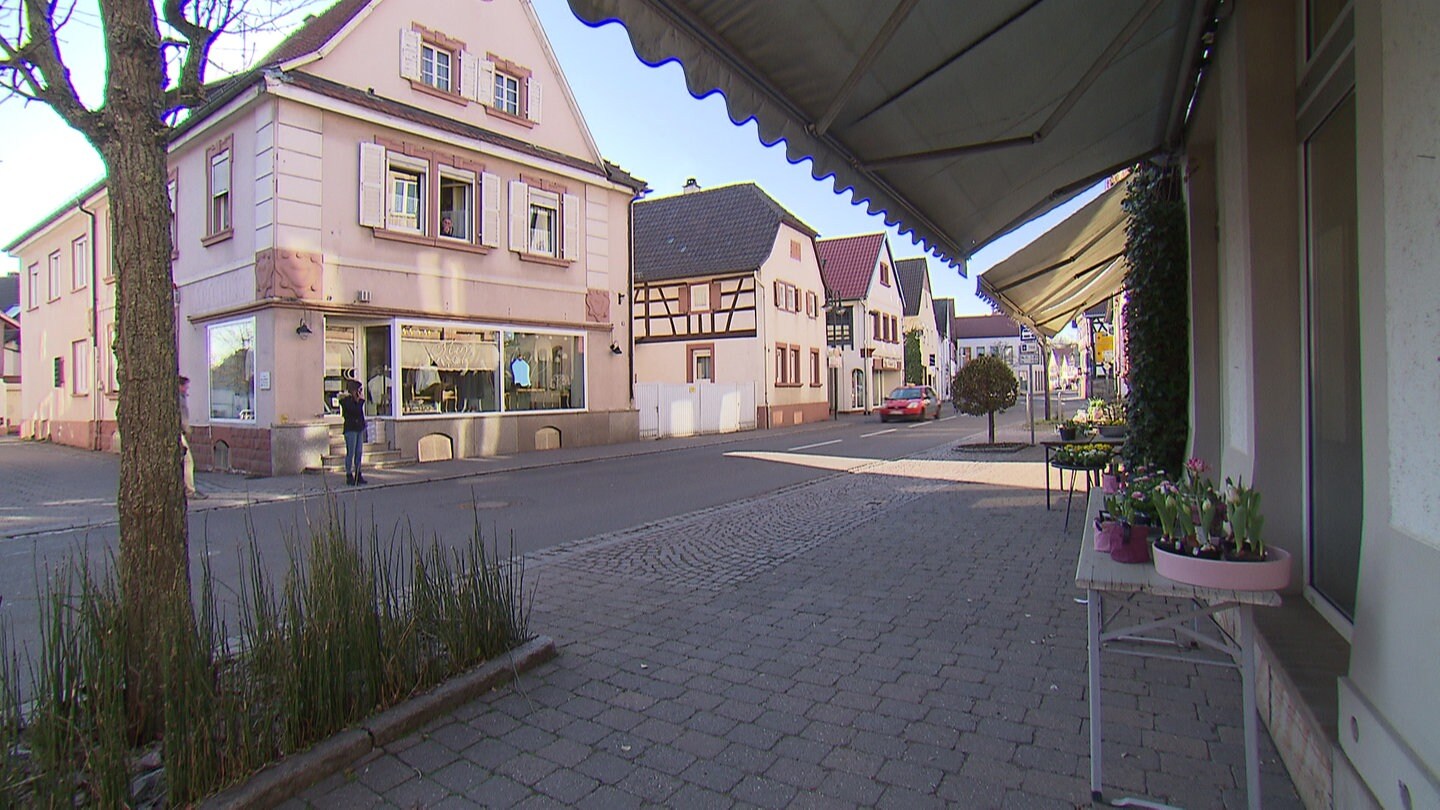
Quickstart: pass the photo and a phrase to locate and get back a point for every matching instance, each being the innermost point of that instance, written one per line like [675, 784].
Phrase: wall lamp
[303, 330]
[615, 349]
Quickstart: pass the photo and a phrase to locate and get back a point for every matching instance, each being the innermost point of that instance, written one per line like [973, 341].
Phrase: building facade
[914, 277]
[728, 290]
[404, 194]
[864, 320]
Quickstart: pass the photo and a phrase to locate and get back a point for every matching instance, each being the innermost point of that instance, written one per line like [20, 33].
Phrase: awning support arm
[882, 38]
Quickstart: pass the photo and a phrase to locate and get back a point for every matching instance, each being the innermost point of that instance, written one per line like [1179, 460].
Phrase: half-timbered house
[863, 319]
[728, 290]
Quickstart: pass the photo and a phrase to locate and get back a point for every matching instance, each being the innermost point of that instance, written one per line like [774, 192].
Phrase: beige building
[864, 323]
[403, 193]
[728, 290]
[914, 277]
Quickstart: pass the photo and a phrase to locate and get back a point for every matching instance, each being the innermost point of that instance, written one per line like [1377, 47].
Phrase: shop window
[448, 369]
[231, 352]
[543, 371]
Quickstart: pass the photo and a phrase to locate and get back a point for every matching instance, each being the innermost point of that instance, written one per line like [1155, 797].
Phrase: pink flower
[1139, 496]
[1196, 465]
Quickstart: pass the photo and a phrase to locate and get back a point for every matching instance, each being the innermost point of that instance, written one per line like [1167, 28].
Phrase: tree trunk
[154, 553]
[991, 416]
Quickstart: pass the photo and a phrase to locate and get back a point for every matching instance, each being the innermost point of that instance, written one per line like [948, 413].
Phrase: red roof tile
[316, 31]
[847, 263]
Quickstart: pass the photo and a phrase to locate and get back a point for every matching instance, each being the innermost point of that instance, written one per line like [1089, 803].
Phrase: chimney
[690, 186]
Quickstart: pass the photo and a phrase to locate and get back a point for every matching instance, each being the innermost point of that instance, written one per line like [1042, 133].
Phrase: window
[435, 66]
[701, 362]
[112, 376]
[79, 368]
[172, 189]
[544, 221]
[507, 93]
[795, 252]
[875, 325]
[404, 211]
[457, 204]
[699, 298]
[53, 275]
[782, 365]
[885, 274]
[218, 223]
[449, 369]
[815, 368]
[80, 263]
[231, 356]
[32, 286]
[543, 371]
[794, 365]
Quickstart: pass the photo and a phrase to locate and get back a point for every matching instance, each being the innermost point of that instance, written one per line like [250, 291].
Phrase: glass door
[339, 362]
[379, 384]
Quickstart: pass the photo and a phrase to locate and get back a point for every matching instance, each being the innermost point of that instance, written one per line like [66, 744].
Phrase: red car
[911, 402]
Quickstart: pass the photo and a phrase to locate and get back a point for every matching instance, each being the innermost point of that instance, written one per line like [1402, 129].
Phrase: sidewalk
[906, 635]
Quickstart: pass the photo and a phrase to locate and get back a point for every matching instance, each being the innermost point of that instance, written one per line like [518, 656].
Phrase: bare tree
[149, 78]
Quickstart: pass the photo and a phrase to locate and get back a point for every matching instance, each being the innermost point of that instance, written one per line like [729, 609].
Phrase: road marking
[817, 444]
[877, 433]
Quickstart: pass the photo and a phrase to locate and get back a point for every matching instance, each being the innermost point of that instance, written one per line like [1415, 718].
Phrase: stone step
[377, 459]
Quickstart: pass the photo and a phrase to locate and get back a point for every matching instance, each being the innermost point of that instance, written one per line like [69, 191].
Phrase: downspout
[630, 297]
[94, 332]
[762, 316]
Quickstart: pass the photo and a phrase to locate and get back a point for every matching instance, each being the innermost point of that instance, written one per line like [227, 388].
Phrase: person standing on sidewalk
[189, 458]
[352, 408]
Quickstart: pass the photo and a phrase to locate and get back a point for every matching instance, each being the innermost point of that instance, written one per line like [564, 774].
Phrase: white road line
[817, 444]
[877, 433]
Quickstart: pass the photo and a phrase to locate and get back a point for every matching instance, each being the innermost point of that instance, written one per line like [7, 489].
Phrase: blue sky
[642, 118]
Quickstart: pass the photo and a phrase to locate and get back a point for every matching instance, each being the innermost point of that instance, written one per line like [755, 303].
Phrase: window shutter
[570, 240]
[779, 295]
[532, 101]
[372, 185]
[490, 210]
[485, 82]
[684, 296]
[410, 55]
[469, 72]
[519, 212]
[714, 296]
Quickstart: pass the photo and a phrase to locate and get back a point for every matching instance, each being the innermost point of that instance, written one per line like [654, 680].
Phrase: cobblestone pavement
[906, 635]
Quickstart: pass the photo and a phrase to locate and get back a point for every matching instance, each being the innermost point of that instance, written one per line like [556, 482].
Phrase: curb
[284, 779]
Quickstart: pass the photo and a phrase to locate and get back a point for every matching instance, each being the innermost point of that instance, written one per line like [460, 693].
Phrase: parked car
[911, 402]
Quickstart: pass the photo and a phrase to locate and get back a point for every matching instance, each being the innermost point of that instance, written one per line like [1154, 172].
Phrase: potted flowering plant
[1072, 429]
[1084, 456]
[1124, 536]
[1108, 418]
[1110, 480]
[1212, 539]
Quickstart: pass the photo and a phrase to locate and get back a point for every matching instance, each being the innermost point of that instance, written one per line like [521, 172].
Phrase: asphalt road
[535, 508]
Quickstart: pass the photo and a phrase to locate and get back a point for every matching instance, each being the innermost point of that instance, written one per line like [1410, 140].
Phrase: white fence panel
[678, 409]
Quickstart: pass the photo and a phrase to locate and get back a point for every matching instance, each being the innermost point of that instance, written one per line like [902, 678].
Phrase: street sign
[1029, 353]
[1027, 335]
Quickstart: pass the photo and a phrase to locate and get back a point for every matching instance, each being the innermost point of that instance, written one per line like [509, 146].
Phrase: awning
[959, 121]
[1066, 270]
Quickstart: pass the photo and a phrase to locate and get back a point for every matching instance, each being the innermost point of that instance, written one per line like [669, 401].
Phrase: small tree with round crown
[983, 386]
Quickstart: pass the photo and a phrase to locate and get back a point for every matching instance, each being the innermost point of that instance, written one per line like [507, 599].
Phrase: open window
[218, 220]
[457, 204]
[544, 223]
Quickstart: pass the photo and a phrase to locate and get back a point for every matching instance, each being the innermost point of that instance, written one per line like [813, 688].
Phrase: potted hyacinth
[1212, 539]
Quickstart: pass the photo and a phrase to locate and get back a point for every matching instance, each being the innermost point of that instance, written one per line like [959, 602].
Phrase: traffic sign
[1027, 335]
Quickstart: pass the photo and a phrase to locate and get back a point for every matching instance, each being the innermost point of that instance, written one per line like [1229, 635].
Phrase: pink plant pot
[1107, 535]
[1135, 548]
[1109, 484]
[1270, 574]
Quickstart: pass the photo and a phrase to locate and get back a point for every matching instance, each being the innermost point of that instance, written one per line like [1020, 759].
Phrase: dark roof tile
[982, 326]
[719, 230]
[914, 275]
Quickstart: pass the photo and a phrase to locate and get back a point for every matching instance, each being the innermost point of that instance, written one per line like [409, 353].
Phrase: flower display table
[1172, 637]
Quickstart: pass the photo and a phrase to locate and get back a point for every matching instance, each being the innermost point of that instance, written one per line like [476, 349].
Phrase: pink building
[403, 193]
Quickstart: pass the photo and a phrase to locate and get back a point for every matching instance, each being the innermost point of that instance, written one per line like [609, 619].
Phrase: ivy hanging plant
[1157, 319]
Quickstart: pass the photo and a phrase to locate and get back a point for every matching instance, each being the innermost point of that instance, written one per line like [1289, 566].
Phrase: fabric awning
[1066, 270]
[959, 121]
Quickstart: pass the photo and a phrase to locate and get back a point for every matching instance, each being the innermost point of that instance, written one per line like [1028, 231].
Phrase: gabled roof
[944, 311]
[315, 32]
[847, 263]
[914, 275]
[9, 291]
[983, 326]
[719, 230]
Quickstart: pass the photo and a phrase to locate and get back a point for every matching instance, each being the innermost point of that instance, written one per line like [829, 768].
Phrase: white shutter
[372, 185]
[490, 210]
[468, 71]
[519, 213]
[570, 240]
[410, 55]
[485, 83]
[532, 101]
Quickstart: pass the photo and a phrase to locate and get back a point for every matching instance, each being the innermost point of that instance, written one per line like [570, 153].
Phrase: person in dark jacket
[352, 408]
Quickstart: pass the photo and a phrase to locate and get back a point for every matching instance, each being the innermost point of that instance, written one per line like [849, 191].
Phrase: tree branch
[35, 70]
[200, 23]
